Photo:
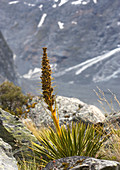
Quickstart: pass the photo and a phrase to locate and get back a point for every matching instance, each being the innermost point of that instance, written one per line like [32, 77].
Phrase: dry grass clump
[115, 151]
[111, 148]
[107, 104]
[24, 165]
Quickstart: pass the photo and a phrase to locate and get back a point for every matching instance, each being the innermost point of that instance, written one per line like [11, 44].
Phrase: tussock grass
[107, 104]
[111, 149]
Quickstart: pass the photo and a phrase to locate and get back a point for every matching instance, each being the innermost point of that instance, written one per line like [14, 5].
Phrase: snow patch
[78, 2]
[71, 82]
[95, 1]
[40, 7]
[104, 78]
[74, 22]
[31, 5]
[32, 73]
[36, 72]
[54, 6]
[42, 20]
[88, 63]
[85, 2]
[53, 67]
[118, 23]
[62, 2]
[96, 60]
[56, 0]
[13, 2]
[61, 25]
[14, 56]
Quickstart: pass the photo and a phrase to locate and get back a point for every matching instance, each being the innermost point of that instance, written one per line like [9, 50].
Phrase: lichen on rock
[15, 133]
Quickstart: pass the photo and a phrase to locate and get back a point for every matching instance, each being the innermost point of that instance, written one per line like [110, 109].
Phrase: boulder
[114, 119]
[69, 109]
[76, 110]
[82, 163]
[7, 161]
[14, 132]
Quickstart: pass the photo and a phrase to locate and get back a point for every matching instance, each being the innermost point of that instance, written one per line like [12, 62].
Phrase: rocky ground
[90, 32]
[15, 137]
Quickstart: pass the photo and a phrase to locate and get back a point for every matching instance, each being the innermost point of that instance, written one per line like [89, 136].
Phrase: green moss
[64, 165]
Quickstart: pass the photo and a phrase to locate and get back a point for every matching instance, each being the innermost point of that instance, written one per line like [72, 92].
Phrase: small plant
[31, 165]
[78, 140]
[105, 103]
[115, 145]
[12, 99]
[111, 149]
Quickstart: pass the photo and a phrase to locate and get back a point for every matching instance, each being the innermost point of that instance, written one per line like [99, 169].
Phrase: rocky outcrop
[7, 161]
[81, 163]
[7, 68]
[69, 109]
[16, 137]
[14, 132]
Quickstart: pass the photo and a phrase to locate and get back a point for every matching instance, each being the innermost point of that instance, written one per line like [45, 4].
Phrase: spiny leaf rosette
[48, 89]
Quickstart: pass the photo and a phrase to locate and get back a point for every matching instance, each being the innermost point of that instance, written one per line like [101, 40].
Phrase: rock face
[14, 132]
[7, 161]
[69, 109]
[81, 163]
[7, 68]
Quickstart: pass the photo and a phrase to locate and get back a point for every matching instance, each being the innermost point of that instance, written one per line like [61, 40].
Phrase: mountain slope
[7, 68]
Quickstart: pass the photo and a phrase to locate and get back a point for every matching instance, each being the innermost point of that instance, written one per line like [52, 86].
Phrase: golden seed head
[44, 50]
[46, 80]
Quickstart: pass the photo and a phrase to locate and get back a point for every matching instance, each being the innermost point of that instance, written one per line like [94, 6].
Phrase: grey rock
[69, 109]
[82, 163]
[7, 67]
[97, 164]
[7, 161]
[15, 133]
[114, 119]
[76, 110]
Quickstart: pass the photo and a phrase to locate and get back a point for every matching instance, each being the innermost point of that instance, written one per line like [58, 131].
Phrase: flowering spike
[48, 89]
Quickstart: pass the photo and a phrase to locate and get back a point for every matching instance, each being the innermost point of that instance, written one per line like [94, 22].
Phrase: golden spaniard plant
[77, 140]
